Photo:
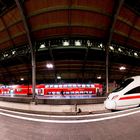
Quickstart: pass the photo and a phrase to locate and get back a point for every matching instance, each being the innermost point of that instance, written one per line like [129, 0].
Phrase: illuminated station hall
[69, 69]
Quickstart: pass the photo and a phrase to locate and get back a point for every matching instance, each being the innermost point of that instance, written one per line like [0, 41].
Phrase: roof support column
[106, 64]
[84, 63]
[53, 61]
[117, 7]
[21, 9]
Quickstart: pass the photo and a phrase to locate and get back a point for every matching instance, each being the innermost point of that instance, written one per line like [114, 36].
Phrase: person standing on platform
[62, 93]
[98, 93]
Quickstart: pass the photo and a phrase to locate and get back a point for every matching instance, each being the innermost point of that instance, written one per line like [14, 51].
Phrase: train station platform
[54, 106]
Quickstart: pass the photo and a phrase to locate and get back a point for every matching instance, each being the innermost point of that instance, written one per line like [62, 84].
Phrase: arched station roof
[93, 23]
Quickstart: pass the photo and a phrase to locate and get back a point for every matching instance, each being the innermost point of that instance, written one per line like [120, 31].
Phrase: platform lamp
[49, 65]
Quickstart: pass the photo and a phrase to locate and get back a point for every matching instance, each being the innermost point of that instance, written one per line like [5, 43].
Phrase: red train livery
[51, 89]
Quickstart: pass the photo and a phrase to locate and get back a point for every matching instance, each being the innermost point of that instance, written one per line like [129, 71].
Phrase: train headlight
[115, 97]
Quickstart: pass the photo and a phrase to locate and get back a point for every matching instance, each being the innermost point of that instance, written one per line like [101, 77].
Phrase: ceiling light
[13, 52]
[66, 43]
[5, 55]
[22, 79]
[120, 50]
[42, 46]
[135, 54]
[101, 45]
[111, 48]
[89, 43]
[58, 77]
[99, 77]
[50, 66]
[77, 43]
[122, 68]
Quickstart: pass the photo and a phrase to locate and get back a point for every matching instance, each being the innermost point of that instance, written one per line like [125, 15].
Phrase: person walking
[62, 93]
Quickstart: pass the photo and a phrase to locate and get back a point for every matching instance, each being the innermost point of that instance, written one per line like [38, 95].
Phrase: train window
[60, 86]
[56, 86]
[46, 86]
[19, 89]
[79, 85]
[51, 86]
[83, 85]
[124, 84]
[74, 85]
[133, 91]
[69, 85]
[64, 85]
[72, 92]
[92, 85]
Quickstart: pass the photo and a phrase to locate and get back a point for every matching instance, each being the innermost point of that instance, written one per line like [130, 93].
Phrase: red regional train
[51, 89]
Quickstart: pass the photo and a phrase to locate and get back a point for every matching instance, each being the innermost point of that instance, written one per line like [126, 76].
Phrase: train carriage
[52, 89]
[126, 96]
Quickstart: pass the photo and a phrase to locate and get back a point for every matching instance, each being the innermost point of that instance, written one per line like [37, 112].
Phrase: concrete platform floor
[54, 109]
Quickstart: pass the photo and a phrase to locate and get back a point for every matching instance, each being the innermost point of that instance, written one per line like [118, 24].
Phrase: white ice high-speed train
[126, 96]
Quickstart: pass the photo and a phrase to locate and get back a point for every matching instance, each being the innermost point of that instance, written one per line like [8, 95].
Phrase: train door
[39, 91]
[11, 92]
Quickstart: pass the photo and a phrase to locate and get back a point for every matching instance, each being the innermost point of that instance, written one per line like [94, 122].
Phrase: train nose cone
[110, 104]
